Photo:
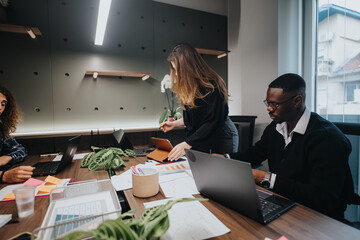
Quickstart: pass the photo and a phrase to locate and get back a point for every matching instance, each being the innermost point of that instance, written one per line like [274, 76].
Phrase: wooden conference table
[298, 223]
[28, 224]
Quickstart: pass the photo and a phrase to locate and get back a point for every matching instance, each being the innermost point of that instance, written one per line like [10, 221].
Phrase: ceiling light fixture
[104, 8]
[30, 32]
[95, 75]
[222, 55]
[145, 77]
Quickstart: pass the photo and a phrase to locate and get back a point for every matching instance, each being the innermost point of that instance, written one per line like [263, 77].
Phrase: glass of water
[25, 198]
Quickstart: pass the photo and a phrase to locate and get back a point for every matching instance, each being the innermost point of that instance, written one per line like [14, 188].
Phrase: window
[353, 92]
[338, 73]
[338, 58]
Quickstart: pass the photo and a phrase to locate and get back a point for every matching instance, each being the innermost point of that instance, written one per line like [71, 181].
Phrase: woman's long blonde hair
[11, 115]
[191, 73]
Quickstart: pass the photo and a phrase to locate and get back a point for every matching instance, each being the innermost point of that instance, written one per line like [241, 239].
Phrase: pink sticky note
[282, 238]
[33, 181]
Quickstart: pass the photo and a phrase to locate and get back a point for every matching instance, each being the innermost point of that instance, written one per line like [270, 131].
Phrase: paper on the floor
[190, 220]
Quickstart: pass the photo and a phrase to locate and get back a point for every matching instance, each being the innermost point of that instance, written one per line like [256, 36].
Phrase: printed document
[190, 220]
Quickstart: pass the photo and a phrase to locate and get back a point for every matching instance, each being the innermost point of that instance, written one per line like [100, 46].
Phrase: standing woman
[11, 151]
[203, 96]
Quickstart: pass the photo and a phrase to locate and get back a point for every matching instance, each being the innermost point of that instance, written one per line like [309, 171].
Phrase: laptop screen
[69, 152]
[121, 139]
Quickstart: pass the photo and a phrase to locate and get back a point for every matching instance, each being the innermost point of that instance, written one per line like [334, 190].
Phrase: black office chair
[351, 129]
[245, 126]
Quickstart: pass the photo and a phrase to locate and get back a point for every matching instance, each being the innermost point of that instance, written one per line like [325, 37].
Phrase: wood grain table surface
[299, 222]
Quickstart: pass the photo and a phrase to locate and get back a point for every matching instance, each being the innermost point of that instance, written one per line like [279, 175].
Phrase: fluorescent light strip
[104, 8]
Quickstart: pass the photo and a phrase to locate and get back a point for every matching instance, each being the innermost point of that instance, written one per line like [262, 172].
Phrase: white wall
[253, 61]
[290, 37]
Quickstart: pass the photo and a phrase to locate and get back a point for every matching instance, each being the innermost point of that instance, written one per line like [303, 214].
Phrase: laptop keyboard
[267, 207]
[45, 168]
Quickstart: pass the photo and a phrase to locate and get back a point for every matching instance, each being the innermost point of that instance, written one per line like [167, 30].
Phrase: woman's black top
[205, 122]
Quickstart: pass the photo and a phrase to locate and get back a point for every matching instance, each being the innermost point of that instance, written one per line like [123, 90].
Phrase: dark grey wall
[48, 72]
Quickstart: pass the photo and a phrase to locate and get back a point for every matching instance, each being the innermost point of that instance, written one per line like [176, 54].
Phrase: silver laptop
[231, 183]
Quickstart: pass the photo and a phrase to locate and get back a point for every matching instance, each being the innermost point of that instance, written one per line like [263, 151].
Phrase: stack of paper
[4, 219]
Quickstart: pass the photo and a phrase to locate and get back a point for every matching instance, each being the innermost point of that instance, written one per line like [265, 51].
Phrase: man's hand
[259, 175]
[5, 160]
[18, 174]
[178, 151]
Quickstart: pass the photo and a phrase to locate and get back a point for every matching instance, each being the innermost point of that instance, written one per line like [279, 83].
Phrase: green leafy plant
[110, 158]
[170, 114]
[153, 223]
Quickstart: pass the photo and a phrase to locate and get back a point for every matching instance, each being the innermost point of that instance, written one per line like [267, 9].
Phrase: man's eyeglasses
[275, 105]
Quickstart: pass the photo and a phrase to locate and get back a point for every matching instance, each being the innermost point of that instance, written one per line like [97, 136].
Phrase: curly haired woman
[11, 151]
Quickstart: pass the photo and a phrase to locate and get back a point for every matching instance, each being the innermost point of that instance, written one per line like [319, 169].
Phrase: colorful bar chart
[173, 167]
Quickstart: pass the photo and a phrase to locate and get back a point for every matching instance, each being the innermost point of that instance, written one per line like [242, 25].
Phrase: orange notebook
[163, 148]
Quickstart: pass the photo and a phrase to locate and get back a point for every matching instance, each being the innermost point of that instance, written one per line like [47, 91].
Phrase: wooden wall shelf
[19, 29]
[218, 53]
[119, 73]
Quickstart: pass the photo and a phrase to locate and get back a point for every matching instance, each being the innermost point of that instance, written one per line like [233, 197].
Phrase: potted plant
[172, 112]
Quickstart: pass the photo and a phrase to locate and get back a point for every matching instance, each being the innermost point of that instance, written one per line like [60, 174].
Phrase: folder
[163, 148]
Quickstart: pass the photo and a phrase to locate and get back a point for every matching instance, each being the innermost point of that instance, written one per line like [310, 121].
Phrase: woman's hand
[178, 151]
[167, 126]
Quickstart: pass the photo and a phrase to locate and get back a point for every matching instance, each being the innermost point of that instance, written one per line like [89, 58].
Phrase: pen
[141, 171]
[134, 169]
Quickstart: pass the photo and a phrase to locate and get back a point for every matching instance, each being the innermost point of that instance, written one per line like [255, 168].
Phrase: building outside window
[338, 72]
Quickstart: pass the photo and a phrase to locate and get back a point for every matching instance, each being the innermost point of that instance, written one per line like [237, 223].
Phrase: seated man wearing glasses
[307, 155]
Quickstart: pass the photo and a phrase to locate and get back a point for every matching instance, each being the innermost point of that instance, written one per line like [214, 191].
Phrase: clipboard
[163, 148]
